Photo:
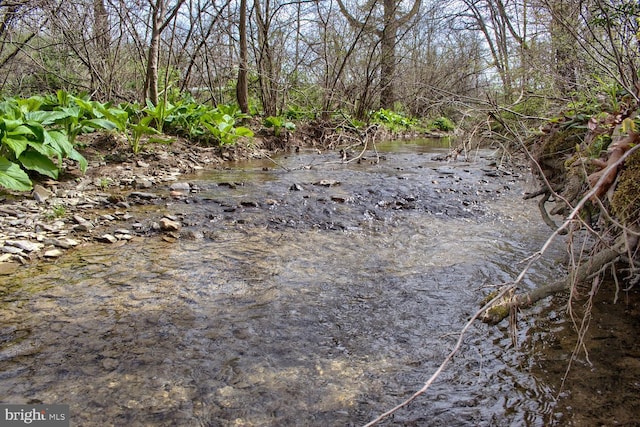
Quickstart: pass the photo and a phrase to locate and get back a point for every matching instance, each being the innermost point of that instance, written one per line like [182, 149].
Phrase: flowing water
[307, 293]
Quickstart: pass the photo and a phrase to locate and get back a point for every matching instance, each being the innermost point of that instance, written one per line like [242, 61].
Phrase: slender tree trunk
[159, 9]
[267, 76]
[242, 88]
[151, 79]
[102, 42]
[388, 55]
[563, 44]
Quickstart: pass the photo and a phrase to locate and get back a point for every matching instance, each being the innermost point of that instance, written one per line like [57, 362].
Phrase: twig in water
[446, 361]
[278, 164]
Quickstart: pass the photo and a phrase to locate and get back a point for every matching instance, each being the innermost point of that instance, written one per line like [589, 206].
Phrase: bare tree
[387, 32]
[242, 88]
[162, 14]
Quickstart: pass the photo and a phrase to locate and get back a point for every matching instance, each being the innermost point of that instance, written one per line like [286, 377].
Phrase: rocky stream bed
[96, 206]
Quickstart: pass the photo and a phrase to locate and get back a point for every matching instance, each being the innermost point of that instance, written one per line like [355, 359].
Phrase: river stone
[249, 204]
[64, 243]
[110, 364]
[142, 182]
[84, 227]
[80, 220]
[7, 268]
[193, 234]
[327, 183]
[180, 186]
[107, 238]
[40, 194]
[53, 253]
[143, 195]
[25, 245]
[11, 250]
[167, 224]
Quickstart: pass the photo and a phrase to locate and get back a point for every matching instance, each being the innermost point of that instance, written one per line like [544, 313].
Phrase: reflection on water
[281, 326]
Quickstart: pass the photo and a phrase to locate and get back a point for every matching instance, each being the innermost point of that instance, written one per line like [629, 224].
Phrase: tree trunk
[102, 42]
[242, 88]
[388, 55]
[151, 78]
[266, 73]
[388, 34]
[564, 49]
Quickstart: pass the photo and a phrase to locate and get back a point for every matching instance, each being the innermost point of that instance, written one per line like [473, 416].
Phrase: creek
[304, 293]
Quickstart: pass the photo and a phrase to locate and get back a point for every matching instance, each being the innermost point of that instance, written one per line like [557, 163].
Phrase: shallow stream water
[304, 293]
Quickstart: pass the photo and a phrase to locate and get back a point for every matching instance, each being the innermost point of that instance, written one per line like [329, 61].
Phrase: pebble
[25, 245]
[53, 253]
[180, 186]
[41, 194]
[107, 238]
[64, 243]
[11, 250]
[167, 224]
[143, 195]
[142, 183]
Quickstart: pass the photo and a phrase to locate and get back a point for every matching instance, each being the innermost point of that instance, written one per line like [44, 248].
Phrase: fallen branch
[500, 311]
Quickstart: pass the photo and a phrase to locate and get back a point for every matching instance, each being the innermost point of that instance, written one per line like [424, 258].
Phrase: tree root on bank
[502, 308]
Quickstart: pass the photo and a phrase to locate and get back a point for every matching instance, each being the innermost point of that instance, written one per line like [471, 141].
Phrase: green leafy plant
[159, 113]
[223, 128]
[278, 124]
[137, 130]
[443, 124]
[37, 130]
[56, 211]
[26, 144]
[392, 120]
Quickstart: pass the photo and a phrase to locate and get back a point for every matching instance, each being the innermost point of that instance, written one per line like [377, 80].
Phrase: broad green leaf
[17, 144]
[12, 177]
[225, 127]
[82, 162]
[21, 130]
[58, 141]
[46, 117]
[10, 125]
[40, 163]
[41, 148]
[86, 105]
[99, 124]
[243, 131]
[33, 103]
